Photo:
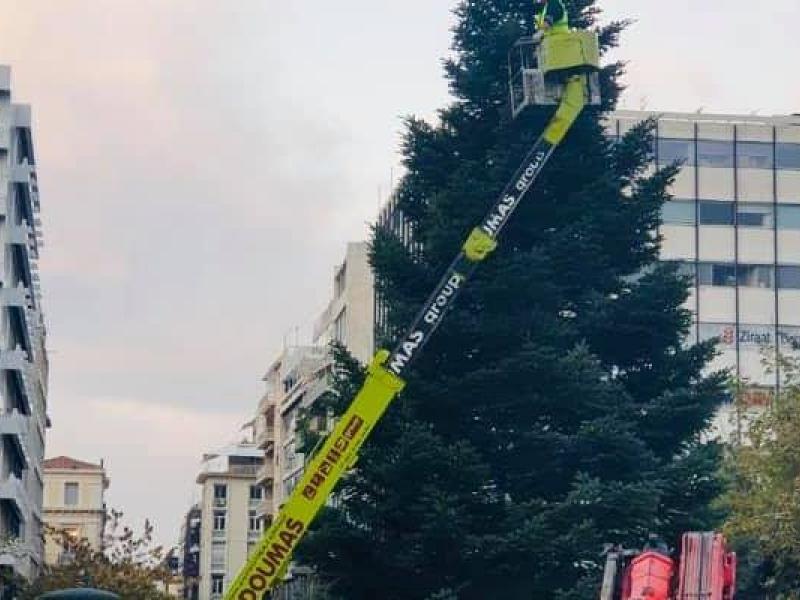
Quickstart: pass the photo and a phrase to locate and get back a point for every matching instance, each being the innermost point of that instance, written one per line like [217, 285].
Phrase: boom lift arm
[568, 63]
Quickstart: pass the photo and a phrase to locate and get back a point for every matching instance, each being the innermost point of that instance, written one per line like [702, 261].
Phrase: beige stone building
[229, 525]
[74, 500]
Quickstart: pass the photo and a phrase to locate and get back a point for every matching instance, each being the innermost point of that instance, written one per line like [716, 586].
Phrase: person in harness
[550, 17]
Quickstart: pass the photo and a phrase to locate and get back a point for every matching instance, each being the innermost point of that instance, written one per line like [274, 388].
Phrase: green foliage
[763, 498]
[558, 408]
[130, 565]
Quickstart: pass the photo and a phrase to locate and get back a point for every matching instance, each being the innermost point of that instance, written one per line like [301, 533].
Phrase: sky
[202, 164]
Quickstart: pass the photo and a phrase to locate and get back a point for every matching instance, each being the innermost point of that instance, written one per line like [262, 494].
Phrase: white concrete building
[301, 374]
[229, 526]
[23, 359]
[350, 316]
[734, 225]
[74, 501]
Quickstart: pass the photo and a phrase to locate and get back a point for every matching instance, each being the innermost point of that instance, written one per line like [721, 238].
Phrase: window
[219, 520]
[256, 492]
[754, 155]
[789, 277]
[254, 523]
[716, 213]
[340, 327]
[760, 276]
[671, 150]
[755, 215]
[339, 281]
[289, 383]
[289, 485]
[789, 216]
[220, 494]
[727, 275]
[787, 156]
[714, 153]
[685, 268]
[716, 274]
[70, 494]
[678, 212]
[217, 584]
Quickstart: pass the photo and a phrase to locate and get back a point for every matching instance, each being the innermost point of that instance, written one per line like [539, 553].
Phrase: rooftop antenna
[700, 110]
[643, 103]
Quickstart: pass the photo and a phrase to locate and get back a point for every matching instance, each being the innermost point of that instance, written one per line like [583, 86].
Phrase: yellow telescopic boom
[270, 560]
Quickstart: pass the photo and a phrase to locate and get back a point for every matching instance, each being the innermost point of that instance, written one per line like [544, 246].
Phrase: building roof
[65, 462]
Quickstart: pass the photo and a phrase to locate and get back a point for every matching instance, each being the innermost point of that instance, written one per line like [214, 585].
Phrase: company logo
[271, 560]
[728, 336]
[406, 352]
[333, 457]
[497, 218]
[441, 301]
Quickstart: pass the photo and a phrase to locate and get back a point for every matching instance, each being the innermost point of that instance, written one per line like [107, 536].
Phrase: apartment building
[229, 525]
[301, 374]
[23, 359]
[74, 501]
[734, 226]
[349, 317]
[293, 382]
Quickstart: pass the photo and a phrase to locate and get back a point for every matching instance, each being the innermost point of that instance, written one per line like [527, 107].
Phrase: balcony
[220, 502]
[13, 426]
[18, 235]
[16, 363]
[19, 556]
[264, 508]
[13, 490]
[13, 423]
[265, 437]
[243, 470]
[266, 474]
[18, 297]
[266, 404]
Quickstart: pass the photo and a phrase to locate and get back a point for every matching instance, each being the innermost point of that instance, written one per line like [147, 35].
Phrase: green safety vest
[559, 26]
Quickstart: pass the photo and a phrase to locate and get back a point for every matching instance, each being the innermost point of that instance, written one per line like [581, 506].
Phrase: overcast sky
[202, 164]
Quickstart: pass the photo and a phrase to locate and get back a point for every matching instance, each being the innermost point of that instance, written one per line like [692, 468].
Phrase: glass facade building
[734, 226]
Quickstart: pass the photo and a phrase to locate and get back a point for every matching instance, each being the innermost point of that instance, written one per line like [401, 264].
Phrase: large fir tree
[558, 408]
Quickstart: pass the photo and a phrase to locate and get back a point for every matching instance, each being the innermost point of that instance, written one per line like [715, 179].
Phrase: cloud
[203, 163]
[152, 453]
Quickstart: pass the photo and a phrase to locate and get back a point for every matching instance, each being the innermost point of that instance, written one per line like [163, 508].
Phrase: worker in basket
[550, 17]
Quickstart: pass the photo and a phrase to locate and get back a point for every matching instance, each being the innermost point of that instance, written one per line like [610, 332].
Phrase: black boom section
[459, 272]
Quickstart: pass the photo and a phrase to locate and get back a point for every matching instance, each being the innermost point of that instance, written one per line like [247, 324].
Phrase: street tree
[763, 496]
[560, 407]
[130, 564]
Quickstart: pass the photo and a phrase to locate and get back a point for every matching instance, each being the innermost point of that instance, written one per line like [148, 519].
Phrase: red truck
[704, 570]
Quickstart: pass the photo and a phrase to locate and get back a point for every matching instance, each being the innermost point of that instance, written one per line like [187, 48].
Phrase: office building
[734, 226]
